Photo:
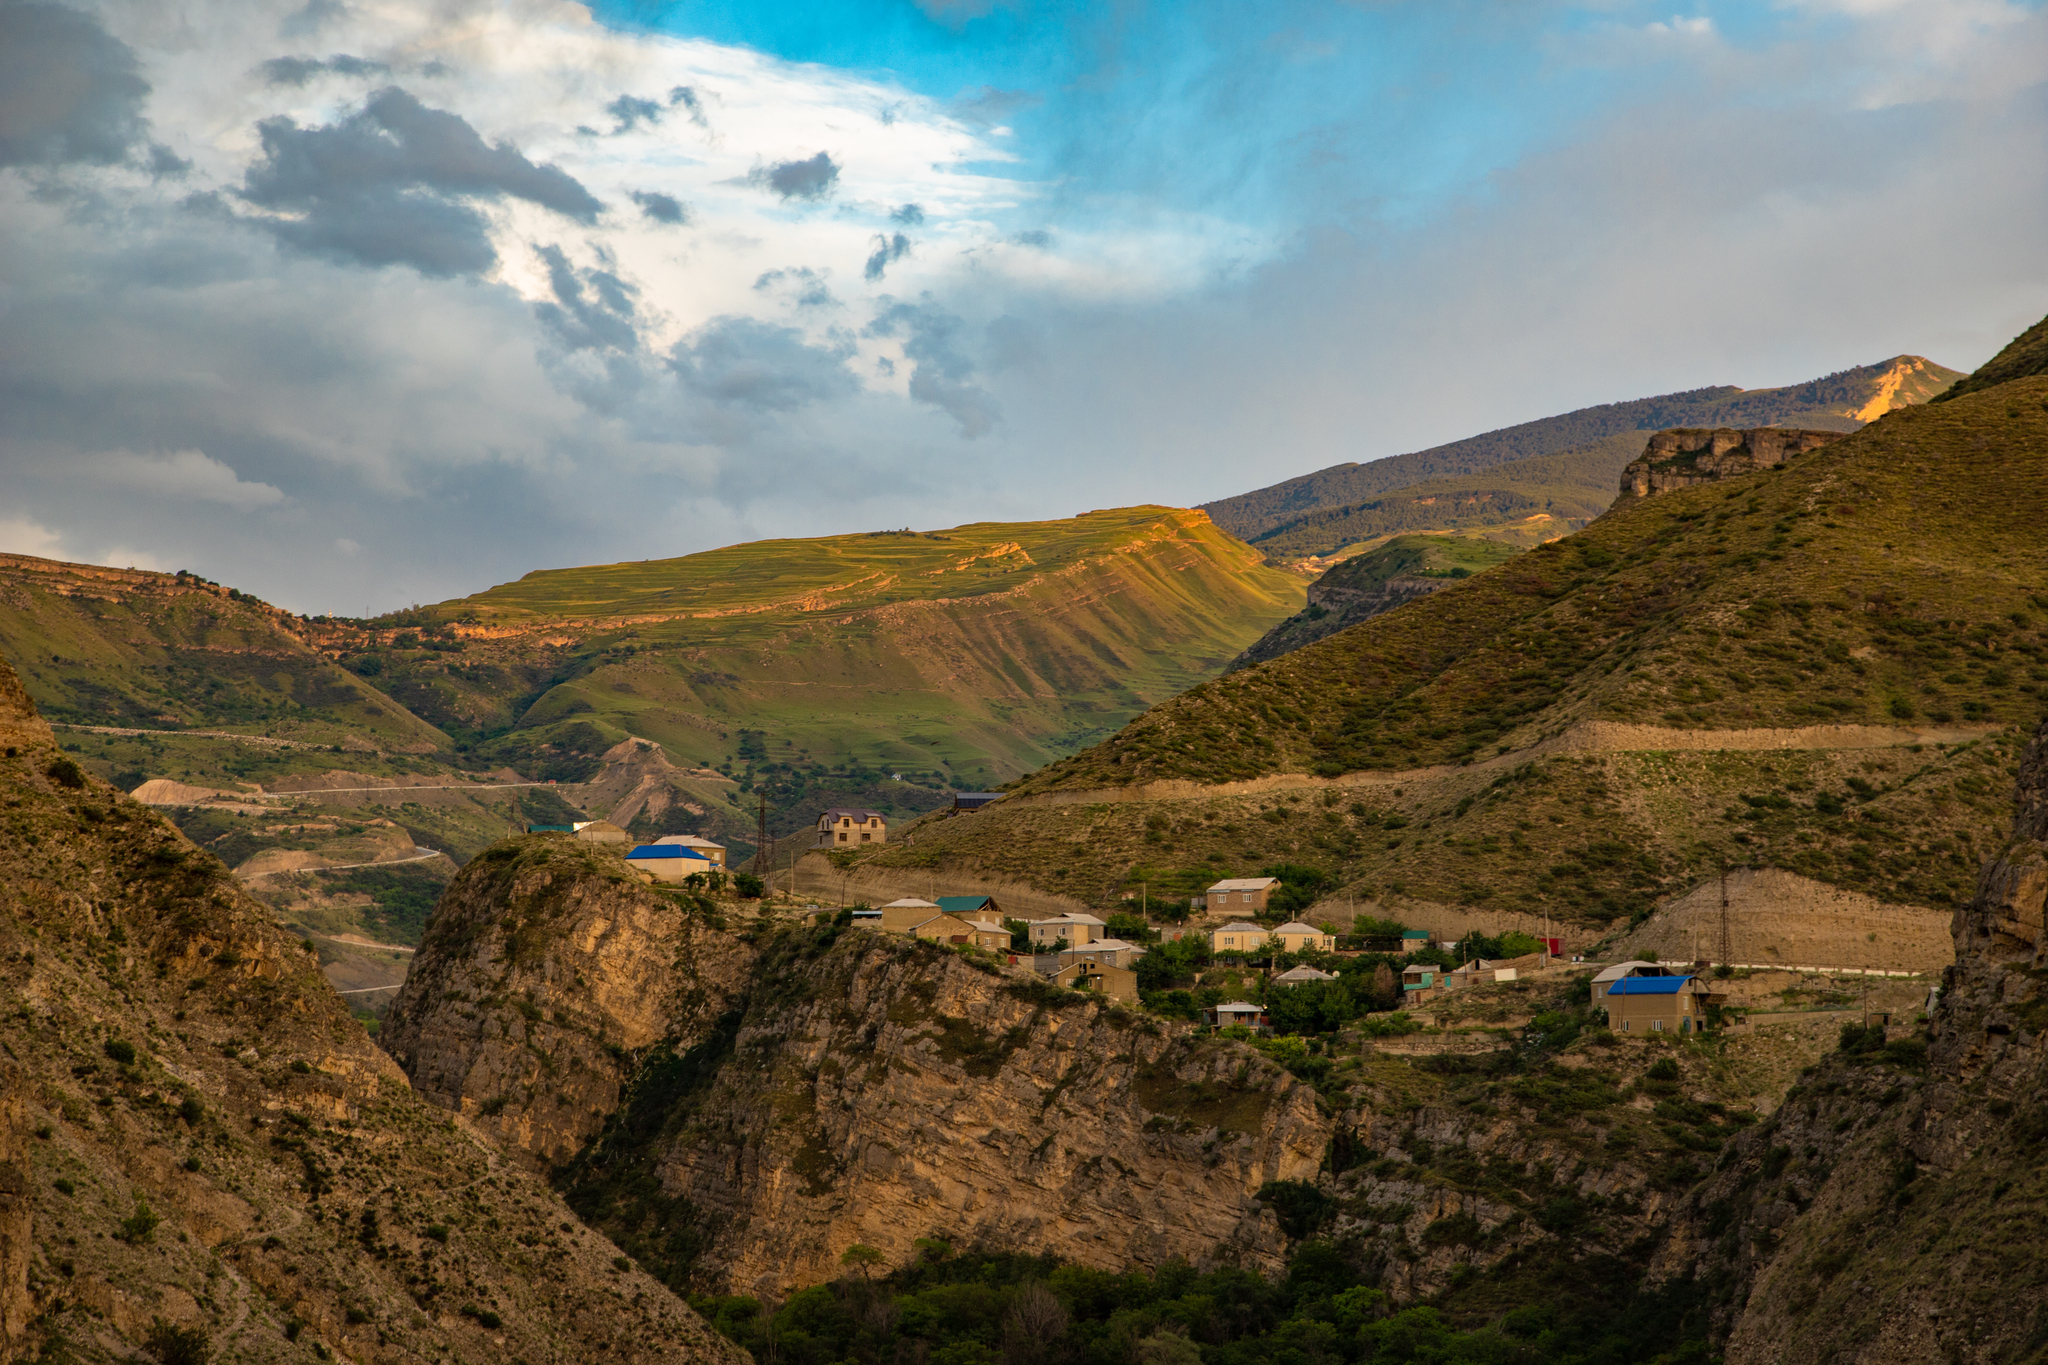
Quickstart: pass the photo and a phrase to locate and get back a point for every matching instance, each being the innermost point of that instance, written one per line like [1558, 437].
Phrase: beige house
[714, 852]
[945, 929]
[1620, 971]
[1303, 975]
[850, 827]
[1237, 937]
[1076, 929]
[1116, 982]
[902, 917]
[1110, 952]
[988, 934]
[1245, 895]
[1656, 1004]
[601, 832]
[1294, 936]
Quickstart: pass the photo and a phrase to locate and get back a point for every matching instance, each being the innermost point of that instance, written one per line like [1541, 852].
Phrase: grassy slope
[1430, 556]
[968, 655]
[1826, 592]
[147, 650]
[1825, 402]
[2024, 357]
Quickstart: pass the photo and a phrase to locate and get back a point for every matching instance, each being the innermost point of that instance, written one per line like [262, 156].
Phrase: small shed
[1238, 1012]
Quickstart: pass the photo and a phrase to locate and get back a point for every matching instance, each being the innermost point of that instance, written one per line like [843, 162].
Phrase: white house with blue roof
[668, 862]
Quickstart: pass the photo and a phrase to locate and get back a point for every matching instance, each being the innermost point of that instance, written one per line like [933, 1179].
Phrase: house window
[1624, 1026]
[865, 837]
[1656, 1025]
[842, 838]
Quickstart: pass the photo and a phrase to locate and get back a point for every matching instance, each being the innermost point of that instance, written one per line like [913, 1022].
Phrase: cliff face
[545, 966]
[1891, 1202]
[193, 1130]
[1686, 456]
[877, 1089]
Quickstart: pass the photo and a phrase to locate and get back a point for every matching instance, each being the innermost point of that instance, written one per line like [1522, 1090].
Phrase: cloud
[808, 286]
[683, 97]
[186, 475]
[69, 90]
[812, 178]
[388, 185]
[592, 309]
[888, 250]
[909, 215]
[662, 208]
[1035, 237]
[20, 536]
[929, 337]
[752, 364]
[348, 547]
[297, 71]
[988, 106]
[631, 112]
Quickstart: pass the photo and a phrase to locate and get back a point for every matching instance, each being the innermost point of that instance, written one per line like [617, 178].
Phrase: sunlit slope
[132, 648]
[1895, 576]
[976, 652]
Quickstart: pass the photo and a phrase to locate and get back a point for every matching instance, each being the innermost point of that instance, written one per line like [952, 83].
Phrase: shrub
[65, 773]
[177, 1345]
[119, 1051]
[139, 1226]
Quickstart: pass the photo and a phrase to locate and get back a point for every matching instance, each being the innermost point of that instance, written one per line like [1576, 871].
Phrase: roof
[550, 829]
[1245, 883]
[986, 926]
[975, 798]
[688, 841]
[667, 851]
[596, 824]
[869, 913]
[1103, 945]
[1649, 985]
[1305, 973]
[1240, 927]
[961, 905]
[1415, 933]
[910, 903]
[853, 812]
[1622, 969]
[1240, 1007]
[1295, 926]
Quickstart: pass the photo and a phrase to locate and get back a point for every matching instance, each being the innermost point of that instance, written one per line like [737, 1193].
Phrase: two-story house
[1245, 895]
[851, 827]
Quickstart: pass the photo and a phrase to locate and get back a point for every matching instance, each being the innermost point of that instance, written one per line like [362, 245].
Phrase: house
[850, 827]
[1419, 983]
[1241, 893]
[974, 800]
[1303, 975]
[1237, 1012]
[972, 907]
[902, 917]
[1237, 937]
[1656, 1004]
[945, 929]
[1076, 929]
[1294, 936]
[715, 852]
[668, 862]
[601, 832]
[1622, 971]
[988, 934]
[1110, 952]
[868, 916]
[1116, 982]
[1414, 940]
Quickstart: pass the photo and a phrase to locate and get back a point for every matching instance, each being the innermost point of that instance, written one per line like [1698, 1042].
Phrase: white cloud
[1701, 27]
[20, 536]
[190, 475]
[348, 547]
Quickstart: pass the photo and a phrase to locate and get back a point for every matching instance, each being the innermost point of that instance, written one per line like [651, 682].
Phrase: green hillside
[822, 669]
[1562, 733]
[1841, 401]
[2024, 357]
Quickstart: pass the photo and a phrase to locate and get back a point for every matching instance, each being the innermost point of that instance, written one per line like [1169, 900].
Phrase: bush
[749, 887]
[119, 1051]
[139, 1226]
[177, 1345]
[65, 773]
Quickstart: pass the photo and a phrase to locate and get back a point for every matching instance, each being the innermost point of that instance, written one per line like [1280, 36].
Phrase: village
[1235, 960]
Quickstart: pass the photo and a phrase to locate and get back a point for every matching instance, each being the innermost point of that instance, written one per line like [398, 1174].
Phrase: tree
[862, 1257]
[749, 886]
[1385, 990]
[1036, 1319]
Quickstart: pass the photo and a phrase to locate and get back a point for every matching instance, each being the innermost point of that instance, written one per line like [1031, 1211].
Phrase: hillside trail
[425, 857]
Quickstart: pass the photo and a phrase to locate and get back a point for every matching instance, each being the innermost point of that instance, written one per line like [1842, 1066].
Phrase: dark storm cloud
[593, 309]
[888, 250]
[749, 363]
[69, 90]
[386, 186]
[165, 164]
[930, 337]
[910, 215]
[808, 284]
[311, 17]
[811, 178]
[662, 208]
[296, 71]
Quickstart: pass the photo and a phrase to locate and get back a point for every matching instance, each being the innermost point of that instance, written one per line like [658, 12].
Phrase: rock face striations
[768, 1099]
[1685, 456]
[195, 1135]
[1892, 1199]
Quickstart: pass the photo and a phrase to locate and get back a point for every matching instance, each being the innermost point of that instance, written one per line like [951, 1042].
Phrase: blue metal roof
[667, 851]
[1648, 985]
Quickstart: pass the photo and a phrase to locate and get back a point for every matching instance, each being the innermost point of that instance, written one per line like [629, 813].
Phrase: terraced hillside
[1820, 668]
[828, 667]
[1559, 468]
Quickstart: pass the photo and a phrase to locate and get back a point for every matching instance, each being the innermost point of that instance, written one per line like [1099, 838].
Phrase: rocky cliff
[196, 1137]
[1686, 456]
[546, 969]
[1889, 1211]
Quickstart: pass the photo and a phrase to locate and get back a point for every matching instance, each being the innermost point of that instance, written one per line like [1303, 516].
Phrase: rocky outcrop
[1332, 608]
[876, 1090]
[1889, 1201]
[17, 1211]
[1688, 455]
[546, 969]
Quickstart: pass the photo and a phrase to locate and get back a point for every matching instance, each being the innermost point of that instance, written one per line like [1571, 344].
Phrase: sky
[355, 303]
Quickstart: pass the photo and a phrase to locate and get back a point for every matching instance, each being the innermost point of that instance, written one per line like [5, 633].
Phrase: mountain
[1594, 437]
[1817, 671]
[202, 1155]
[884, 669]
[738, 1101]
[1380, 579]
[2024, 357]
[1872, 1216]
